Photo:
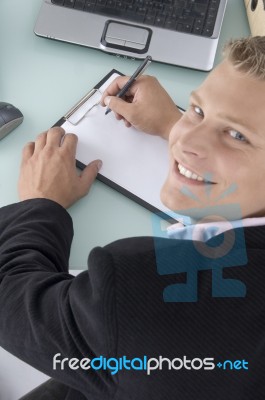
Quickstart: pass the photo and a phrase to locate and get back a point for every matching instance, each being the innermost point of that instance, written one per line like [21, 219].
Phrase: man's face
[221, 139]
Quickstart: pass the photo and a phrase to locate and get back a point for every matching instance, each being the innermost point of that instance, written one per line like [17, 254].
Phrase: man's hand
[48, 169]
[146, 105]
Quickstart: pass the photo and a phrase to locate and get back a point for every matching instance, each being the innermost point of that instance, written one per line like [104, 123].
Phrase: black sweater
[116, 309]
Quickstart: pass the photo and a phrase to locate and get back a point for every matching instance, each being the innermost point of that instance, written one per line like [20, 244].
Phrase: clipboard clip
[82, 108]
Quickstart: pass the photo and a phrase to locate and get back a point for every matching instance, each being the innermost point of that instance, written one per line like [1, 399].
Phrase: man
[109, 333]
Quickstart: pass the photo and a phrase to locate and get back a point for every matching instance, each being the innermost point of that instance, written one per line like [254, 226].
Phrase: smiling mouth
[191, 175]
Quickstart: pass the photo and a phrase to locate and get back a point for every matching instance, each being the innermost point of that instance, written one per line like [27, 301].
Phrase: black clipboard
[151, 144]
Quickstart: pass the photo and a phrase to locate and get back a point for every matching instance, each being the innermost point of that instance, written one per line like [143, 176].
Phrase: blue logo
[217, 252]
[233, 365]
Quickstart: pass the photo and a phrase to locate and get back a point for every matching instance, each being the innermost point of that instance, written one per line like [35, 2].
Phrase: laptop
[177, 32]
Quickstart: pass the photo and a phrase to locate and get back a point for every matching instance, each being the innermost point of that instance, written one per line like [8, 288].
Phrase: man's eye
[198, 111]
[237, 135]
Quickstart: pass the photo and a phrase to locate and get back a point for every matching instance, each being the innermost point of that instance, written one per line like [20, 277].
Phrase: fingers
[144, 82]
[115, 87]
[70, 143]
[89, 174]
[54, 136]
[40, 142]
[27, 151]
[119, 106]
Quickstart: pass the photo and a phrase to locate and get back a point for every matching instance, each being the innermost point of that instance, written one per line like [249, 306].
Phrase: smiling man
[219, 141]
[180, 320]
[221, 138]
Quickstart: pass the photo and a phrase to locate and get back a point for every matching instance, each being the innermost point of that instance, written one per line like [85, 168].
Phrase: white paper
[134, 160]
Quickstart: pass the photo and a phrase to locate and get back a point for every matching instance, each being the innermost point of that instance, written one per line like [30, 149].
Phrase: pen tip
[108, 110]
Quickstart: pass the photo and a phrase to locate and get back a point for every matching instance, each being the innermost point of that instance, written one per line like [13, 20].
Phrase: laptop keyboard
[191, 16]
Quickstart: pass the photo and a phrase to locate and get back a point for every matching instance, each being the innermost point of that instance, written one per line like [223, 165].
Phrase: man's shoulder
[132, 258]
[128, 252]
[132, 245]
[143, 249]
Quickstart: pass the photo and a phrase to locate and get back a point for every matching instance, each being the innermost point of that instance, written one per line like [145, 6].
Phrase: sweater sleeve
[43, 309]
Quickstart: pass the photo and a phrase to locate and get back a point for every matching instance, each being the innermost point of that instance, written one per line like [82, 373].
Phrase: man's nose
[200, 141]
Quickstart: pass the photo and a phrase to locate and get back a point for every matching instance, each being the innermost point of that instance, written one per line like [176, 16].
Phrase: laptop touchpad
[126, 37]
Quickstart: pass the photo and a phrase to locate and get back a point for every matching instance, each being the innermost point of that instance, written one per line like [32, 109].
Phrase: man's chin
[170, 200]
[184, 206]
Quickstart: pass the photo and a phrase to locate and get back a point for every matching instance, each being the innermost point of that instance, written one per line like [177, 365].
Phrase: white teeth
[188, 174]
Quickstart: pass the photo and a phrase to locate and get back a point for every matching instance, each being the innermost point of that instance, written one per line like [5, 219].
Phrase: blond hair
[247, 55]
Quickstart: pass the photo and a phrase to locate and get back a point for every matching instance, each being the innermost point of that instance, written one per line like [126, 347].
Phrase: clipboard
[134, 163]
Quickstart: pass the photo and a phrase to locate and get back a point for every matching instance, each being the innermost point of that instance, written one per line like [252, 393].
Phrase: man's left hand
[48, 169]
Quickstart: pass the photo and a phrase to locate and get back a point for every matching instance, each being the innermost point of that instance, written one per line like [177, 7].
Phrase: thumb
[118, 105]
[89, 174]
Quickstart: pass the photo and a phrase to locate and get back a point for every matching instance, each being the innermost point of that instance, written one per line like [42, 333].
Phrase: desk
[44, 78]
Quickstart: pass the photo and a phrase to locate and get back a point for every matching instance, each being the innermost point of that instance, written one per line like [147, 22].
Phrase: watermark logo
[114, 365]
[189, 256]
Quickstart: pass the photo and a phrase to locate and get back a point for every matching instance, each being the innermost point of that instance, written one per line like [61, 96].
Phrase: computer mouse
[10, 118]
